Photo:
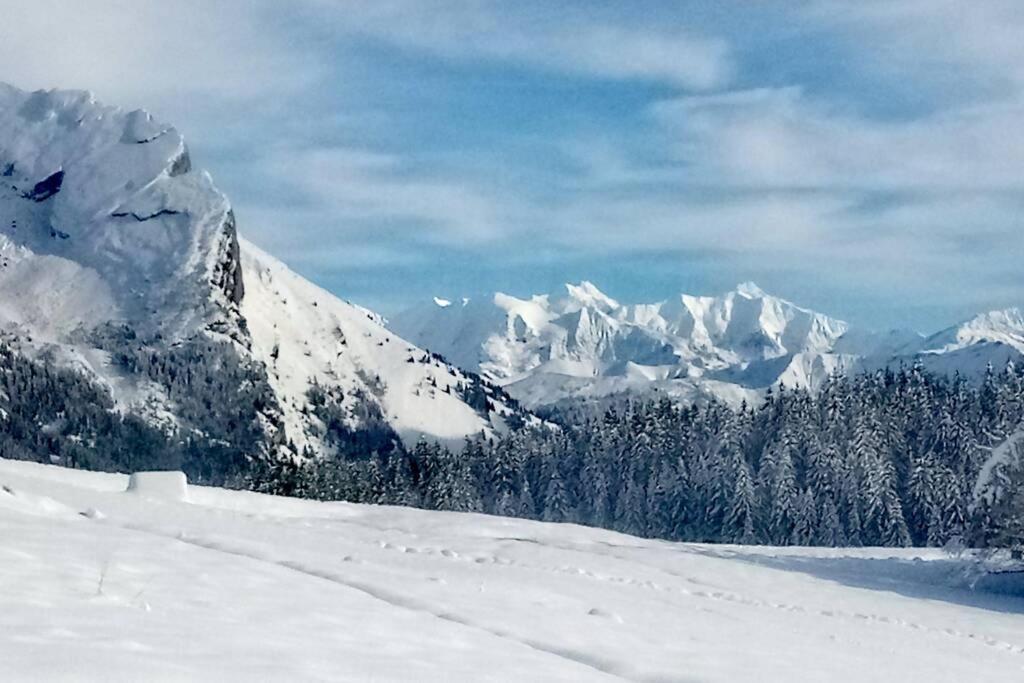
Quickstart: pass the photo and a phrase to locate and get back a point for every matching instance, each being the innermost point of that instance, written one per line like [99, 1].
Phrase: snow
[1002, 327]
[991, 478]
[750, 290]
[970, 347]
[130, 235]
[158, 485]
[587, 294]
[240, 586]
[130, 230]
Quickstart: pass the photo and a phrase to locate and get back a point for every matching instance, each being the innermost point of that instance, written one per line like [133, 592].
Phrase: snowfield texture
[100, 584]
[103, 221]
[582, 343]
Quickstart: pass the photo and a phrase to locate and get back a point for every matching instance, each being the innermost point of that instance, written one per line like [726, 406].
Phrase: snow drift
[159, 485]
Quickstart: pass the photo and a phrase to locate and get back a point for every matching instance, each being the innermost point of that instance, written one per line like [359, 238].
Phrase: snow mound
[159, 485]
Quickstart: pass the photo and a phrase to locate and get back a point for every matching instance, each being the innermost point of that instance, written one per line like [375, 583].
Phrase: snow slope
[239, 586]
[304, 334]
[104, 222]
[994, 338]
[581, 343]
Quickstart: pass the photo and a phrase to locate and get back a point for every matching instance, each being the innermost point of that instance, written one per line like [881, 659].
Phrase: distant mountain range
[581, 343]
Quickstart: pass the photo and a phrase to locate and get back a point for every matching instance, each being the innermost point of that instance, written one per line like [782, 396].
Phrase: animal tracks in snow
[700, 594]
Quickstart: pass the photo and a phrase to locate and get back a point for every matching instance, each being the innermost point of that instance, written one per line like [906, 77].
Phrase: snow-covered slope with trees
[581, 343]
[119, 259]
[308, 337]
[100, 583]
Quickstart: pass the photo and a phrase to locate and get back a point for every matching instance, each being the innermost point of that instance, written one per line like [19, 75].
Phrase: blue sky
[862, 158]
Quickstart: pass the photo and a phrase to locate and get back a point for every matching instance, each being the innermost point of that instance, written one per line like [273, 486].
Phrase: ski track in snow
[391, 598]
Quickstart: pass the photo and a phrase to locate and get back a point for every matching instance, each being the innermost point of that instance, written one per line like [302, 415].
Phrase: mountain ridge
[585, 344]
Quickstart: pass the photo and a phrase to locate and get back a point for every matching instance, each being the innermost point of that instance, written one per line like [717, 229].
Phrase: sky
[862, 158]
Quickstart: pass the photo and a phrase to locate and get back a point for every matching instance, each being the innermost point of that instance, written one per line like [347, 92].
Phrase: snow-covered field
[99, 584]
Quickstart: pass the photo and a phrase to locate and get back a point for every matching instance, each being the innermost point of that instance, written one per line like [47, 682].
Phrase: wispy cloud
[153, 53]
[873, 145]
[365, 190]
[933, 41]
[780, 138]
[567, 38]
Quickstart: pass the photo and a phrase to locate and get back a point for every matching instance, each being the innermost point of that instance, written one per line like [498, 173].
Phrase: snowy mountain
[581, 343]
[119, 259]
[255, 587]
[994, 338]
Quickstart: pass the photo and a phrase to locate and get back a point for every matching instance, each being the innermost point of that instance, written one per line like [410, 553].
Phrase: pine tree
[739, 525]
[778, 493]
[805, 519]
[527, 505]
[556, 501]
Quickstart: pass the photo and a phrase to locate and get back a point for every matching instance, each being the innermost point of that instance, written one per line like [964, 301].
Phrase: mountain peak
[588, 294]
[750, 290]
[1005, 317]
[1005, 326]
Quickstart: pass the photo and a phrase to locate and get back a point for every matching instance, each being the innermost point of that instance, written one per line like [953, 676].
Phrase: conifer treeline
[888, 458]
[53, 414]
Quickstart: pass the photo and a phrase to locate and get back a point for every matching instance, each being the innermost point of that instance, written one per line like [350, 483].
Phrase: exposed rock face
[181, 164]
[45, 188]
[227, 276]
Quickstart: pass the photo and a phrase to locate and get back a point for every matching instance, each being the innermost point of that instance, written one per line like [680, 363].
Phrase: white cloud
[940, 40]
[795, 178]
[672, 57]
[766, 223]
[558, 39]
[929, 204]
[356, 191]
[153, 54]
[779, 138]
